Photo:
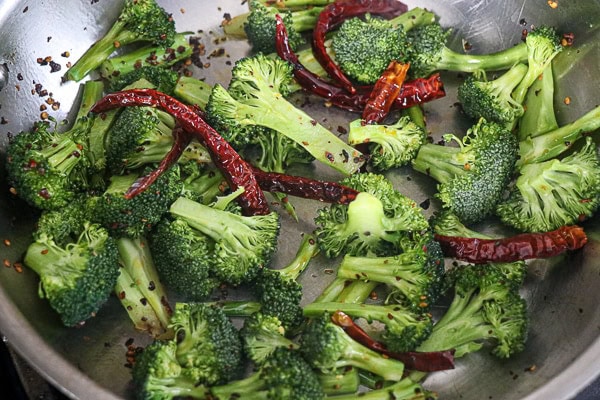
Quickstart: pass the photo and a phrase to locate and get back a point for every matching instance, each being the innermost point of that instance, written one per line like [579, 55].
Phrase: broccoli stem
[403, 389]
[442, 163]
[414, 17]
[344, 381]
[290, 4]
[306, 251]
[241, 308]
[193, 91]
[504, 59]
[357, 292]
[302, 21]
[539, 116]
[553, 143]
[91, 93]
[332, 291]
[250, 388]
[136, 261]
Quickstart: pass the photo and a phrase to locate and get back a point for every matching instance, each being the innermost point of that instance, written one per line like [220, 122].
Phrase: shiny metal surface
[563, 352]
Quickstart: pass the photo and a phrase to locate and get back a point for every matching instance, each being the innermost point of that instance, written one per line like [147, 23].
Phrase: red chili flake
[329, 156]
[7, 263]
[7, 242]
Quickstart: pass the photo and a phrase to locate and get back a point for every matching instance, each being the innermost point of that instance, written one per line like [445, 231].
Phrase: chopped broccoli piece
[473, 176]
[404, 389]
[491, 99]
[192, 91]
[539, 116]
[390, 146]
[139, 21]
[161, 79]
[554, 193]
[261, 335]
[243, 244]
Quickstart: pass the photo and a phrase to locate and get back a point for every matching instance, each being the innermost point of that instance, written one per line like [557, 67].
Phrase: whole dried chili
[412, 92]
[414, 360]
[236, 171]
[385, 92]
[333, 15]
[519, 247]
[299, 186]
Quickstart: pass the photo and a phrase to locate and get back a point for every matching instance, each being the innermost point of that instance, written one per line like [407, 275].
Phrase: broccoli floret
[554, 193]
[132, 217]
[256, 98]
[473, 176]
[485, 308]
[553, 143]
[47, 168]
[390, 146]
[372, 223]
[429, 54]
[140, 289]
[261, 335]
[278, 290]
[284, 375]
[208, 344]
[144, 135]
[243, 244]
[405, 389]
[203, 182]
[326, 346]
[342, 381]
[139, 21]
[64, 225]
[157, 375]
[151, 55]
[539, 116]
[161, 79]
[404, 329]
[414, 276]
[77, 277]
[491, 99]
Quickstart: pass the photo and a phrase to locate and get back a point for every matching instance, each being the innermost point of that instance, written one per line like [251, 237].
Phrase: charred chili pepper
[385, 92]
[519, 247]
[299, 186]
[414, 360]
[333, 15]
[236, 171]
[413, 92]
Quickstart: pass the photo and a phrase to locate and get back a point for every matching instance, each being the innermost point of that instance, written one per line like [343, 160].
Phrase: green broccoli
[341, 381]
[48, 168]
[65, 224]
[491, 99]
[390, 146]
[243, 244]
[78, 276]
[485, 308]
[209, 347]
[372, 223]
[327, 347]
[539, 116]
[554, 193]
[473, 176]
[146, 77]
[150, 55]
[256, 99]
[404, 389]
[414, 276]
[132, 217]
[139, 21]
[140, 289]
[192, 91]
[278, 290]
[261, 335]
[284, 375]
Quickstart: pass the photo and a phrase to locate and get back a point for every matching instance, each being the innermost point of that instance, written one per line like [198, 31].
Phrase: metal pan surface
[563, 350]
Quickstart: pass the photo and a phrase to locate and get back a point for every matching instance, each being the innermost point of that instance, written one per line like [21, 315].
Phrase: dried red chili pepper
[385, 92]
[414, 360]
[333, 15]
[236, 171]
[299, 186]
[519, 247]
[413, 92]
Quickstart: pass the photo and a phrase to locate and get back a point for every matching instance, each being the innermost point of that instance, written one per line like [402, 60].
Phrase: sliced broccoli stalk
[404, 329]
[539, 116]
[284, 375]
[390, 146]
[192, 91]
[327, 347]
[404, 389]
[150, 55]
[340, 382]
[491, 99]
[261, 335]
[553, 143]
[77, 277]
[256, 98]
[243, 244]
[431, 54]
[48, 168]
[157, 374]
[485, 309]
[140, 289]
[414, 276]
[138, 21]
[208, 344]
[473, 176]
[146, 77]
[295, 4]
[554, 193]
[279, 291]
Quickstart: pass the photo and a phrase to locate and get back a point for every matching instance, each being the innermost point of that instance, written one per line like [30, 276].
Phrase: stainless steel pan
[563, 351]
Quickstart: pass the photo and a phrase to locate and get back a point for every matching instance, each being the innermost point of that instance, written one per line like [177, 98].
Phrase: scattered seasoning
[553, 4]
[7, 263]
[567, 100]
[26, 9]
[18, 267]
[3, 121]
[531, 368]
[65, 54]
[19, 76]
[7, 242]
